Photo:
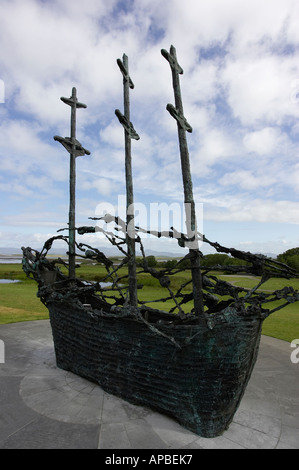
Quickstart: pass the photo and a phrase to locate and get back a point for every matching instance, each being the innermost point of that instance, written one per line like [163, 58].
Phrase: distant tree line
[217, 259]
[290, 257]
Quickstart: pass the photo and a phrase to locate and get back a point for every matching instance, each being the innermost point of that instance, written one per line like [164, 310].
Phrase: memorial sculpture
[190, 363]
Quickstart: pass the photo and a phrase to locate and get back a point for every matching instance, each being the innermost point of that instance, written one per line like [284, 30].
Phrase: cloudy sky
[240, 91]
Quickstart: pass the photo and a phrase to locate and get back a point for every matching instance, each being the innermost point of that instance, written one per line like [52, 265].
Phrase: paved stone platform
[43, 407]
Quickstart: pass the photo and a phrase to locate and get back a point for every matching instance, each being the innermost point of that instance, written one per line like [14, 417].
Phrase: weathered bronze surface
[129, 133]
[75, 149]
[196, 370]
[183, 126]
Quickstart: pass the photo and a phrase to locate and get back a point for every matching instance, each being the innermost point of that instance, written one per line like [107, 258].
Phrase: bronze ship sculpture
[192, 363]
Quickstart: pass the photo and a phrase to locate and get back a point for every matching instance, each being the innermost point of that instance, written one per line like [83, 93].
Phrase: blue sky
[240, 91]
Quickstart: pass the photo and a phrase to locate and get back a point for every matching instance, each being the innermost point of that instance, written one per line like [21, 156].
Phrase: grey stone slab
[13, 418]
[285, 446]
[287, 385]
[259, 422]
[174, 435]
[220, 442]
[289, 436]
[142, 436]
[15, 364]
[44, 433]
[114, 436]
[250, 438]
[114, 410]
[135, 411]
[59, 398]
[261, 398]
[34, 385]
[290, 413]
[9, 389]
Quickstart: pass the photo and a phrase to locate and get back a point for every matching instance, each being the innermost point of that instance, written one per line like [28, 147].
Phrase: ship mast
[129, 133]
[75, 149]
[183, 126]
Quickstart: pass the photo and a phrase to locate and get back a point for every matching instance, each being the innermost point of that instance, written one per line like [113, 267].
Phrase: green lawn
[283, 324]
[18, 302]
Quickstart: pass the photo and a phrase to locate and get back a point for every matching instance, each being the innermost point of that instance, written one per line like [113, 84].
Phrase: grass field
[18, 301]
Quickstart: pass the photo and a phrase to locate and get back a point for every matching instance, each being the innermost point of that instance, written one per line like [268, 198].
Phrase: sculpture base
[195, 374]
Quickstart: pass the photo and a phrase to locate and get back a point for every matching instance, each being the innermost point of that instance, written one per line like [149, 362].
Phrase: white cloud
[241, 71]
[258, 210]
[26, 153]
[212, 147]
[102, 185]
[247, 180]
[33, 219]
[113, 134]
[294, 177]
[265, 141]
[259, 88]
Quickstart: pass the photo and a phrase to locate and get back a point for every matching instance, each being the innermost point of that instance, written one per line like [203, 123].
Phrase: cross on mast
[75, 149]
[178, 113]
[130, 134]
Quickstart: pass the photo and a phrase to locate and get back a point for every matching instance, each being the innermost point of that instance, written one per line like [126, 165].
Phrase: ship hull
[194, 373]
